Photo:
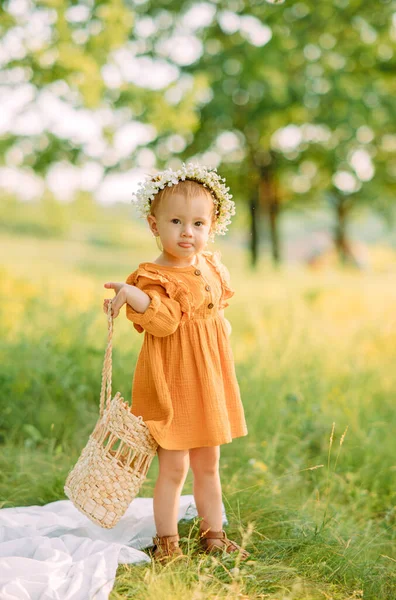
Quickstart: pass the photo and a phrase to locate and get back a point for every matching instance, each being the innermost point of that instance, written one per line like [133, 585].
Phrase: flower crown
[225, 207]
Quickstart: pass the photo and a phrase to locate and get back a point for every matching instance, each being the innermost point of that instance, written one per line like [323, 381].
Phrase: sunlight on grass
[314, 480]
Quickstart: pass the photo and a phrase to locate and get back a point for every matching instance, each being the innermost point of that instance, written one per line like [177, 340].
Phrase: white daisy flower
[225, 207]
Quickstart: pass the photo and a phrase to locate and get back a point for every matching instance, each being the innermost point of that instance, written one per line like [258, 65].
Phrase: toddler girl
[184, 385]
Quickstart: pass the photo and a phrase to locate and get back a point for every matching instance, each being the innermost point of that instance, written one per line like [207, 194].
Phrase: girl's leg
[208, 498]
[173, 469]
[207, 486]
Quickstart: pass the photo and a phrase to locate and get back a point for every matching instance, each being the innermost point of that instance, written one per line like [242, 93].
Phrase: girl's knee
[205, 461]
[173, 464]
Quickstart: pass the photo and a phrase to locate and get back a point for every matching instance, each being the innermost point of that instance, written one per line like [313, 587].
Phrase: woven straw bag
[115, 461]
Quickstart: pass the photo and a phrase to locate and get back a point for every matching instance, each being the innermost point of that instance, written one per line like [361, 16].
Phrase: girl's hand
[119, 299]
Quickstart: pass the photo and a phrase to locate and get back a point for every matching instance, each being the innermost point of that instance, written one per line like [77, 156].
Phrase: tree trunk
[254, 218]
[274, 230]
[270, 202]
[340, 234]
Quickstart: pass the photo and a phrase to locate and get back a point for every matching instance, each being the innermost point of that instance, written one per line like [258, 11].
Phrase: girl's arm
[152, 310]
[137, 299]
[129, 294]
[228, 324]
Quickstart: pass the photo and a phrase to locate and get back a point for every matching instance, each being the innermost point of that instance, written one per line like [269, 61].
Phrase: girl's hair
[187, 188]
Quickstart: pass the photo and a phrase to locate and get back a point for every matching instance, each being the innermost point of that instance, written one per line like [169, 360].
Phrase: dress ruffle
[214, 258]
[175, 288]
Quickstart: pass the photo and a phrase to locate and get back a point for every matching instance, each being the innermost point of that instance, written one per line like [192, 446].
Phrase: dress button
[207, 288]
[210, 305]
[197, 272]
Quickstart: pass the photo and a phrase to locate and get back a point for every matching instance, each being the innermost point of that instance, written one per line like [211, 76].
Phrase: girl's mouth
[185, 244]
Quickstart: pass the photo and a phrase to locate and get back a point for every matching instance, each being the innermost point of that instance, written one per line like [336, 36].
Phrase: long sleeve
[171, 302]
[163, 315]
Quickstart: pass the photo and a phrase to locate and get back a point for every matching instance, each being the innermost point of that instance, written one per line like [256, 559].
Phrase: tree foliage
[293, 101]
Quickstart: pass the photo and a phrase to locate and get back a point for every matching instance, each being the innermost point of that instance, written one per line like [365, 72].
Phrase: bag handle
[107, 363]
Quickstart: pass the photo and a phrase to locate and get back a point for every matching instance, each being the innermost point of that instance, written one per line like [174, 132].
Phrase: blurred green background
[293, 102]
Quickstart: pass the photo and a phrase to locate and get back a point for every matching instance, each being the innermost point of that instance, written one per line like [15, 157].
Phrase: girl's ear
[151, 220]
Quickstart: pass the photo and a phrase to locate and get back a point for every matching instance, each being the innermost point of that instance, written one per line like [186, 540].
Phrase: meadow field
[310, 490]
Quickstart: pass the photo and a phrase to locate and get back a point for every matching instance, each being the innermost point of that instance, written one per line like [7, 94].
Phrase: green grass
[312, 349]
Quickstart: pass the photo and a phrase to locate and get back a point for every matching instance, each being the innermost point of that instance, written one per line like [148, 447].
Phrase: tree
[312, 65]
[277, 94]
[80, 57]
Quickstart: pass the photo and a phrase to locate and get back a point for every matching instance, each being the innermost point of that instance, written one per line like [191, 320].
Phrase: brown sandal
[166, 548]
[229, 546]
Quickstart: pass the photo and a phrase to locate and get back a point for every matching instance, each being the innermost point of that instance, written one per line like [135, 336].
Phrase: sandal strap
[214, 535]
[221, 535]
[164, 540]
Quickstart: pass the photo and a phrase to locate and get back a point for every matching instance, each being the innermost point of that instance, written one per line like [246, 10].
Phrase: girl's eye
[201, 222]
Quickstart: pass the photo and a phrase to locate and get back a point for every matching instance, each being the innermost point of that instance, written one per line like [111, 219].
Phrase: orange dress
[184, 385]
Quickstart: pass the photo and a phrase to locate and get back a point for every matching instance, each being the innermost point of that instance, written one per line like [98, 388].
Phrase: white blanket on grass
[54, 552]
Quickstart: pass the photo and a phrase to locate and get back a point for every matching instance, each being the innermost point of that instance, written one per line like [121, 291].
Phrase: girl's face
[183, 221]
